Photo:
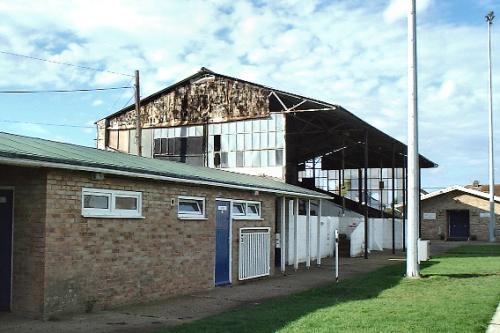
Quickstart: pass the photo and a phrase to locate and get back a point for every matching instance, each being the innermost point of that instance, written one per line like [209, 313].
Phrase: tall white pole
[491, 225]
[412, 267]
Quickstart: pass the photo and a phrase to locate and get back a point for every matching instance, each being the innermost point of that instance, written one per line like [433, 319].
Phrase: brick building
[457, 213]
[84, 228]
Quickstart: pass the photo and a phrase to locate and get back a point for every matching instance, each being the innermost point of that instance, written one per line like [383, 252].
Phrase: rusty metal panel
[101, 134]
[213, 100]
[113, 139]
[123, 141]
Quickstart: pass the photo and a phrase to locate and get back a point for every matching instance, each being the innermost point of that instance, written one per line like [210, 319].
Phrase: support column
[283, 234]
[295, 234]
[404, 202]
[366, 194]
[393, 195]
[318, 234]
[308, 233]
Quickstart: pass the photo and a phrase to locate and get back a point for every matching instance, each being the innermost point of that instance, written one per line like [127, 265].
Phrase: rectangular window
[246, 210]
[191, 208]
[111, 203]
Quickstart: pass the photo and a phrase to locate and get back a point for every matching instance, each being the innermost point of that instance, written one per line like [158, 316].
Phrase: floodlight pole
[138, 130]
[412, 267]
[491, 225]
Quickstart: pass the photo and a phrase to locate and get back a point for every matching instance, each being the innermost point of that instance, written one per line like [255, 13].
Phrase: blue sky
[351, 53]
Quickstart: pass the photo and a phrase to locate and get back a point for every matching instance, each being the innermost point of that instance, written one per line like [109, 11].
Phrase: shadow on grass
[275, 314]
[465, 251]
[461, 276]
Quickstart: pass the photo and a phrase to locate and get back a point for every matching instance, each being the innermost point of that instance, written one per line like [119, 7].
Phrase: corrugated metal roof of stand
[30, 151]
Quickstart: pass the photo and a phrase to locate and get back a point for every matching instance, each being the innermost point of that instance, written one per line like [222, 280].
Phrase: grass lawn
[459, 292]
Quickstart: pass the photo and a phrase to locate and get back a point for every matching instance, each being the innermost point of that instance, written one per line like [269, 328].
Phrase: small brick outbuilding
[457, 213]
[83, 228]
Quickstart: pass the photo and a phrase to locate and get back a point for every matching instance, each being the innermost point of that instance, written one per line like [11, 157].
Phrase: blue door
[5, 248]
[222, 245]
[459, 224]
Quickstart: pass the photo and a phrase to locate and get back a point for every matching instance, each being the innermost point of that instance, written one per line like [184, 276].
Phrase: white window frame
[112, 211]
[247, 215]
[191, 216]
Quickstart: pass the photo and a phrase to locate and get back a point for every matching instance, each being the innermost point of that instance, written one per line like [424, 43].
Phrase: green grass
[459, 292]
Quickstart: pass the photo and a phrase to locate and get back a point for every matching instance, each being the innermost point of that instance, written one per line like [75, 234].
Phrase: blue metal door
[222, 245]
[459, 224]
[5, 248]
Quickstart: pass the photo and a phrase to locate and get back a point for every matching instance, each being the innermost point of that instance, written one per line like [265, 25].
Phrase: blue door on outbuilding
[459, 224]
[222, 242]
[6, 197]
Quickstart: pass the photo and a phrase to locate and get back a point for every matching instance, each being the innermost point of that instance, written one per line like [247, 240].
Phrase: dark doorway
[458, 223]
[5, 249]
[222, 242]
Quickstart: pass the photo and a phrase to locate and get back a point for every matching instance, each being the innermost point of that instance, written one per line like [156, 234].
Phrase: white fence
[379, 236]
[254, 253]
[328, 226]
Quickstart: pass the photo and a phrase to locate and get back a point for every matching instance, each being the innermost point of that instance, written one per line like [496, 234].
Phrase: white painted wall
[328, 226]
[379, 236]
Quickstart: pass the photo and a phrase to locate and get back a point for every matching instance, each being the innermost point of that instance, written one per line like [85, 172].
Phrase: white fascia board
[461, 189]
[42, 164]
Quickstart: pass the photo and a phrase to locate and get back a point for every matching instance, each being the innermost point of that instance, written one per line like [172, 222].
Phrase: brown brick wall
[431, 229]
[118, 261]
[29, 232]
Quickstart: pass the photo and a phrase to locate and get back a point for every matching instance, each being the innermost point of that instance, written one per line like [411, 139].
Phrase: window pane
[256, 126]
[263, 158]
[248, 141]
[263, 140]
[279, 140]
[279, 157]
[240, 145]
[225, 128]
[271, 125]
[272, 140]
[263, 125]
[232, 128]
[248, 126]
[223, 159]
[224, 143]
[238, 208]
[279, 122]
[255, 159]
[129, 203]
[231, 160]
[271, 158]
[231, 142]
[95, 201]
[239, 159]
[187, 206]
[255, 141]
[248, 159]
[253, 209]
[216, 129]
[240, 126]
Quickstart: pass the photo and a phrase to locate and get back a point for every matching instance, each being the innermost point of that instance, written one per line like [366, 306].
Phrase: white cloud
[97, 102]
[398, 9]
[349, 53]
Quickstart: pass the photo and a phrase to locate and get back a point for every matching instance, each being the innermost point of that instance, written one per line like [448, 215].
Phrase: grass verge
[458, 292]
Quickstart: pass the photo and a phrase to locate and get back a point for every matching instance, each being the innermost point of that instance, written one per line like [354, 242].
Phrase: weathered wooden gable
[212, 99]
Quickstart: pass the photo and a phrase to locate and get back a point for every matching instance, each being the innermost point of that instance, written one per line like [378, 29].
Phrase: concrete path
[173, 311]
[494, 326]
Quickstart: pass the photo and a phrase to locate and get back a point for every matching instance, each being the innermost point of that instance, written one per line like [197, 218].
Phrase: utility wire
[59, 91]
[43, 124]
[64, 63]
[126, 103]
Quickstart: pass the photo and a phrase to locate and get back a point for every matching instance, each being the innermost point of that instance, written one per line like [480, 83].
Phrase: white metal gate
[254, 253]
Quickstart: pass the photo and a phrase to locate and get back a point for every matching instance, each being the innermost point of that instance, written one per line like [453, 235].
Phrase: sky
[352, 53]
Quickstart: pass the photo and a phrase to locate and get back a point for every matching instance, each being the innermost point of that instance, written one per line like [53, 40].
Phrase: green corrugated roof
[19, 148]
